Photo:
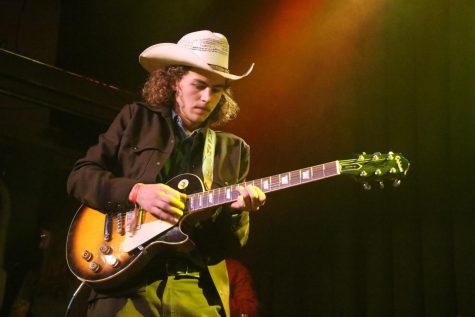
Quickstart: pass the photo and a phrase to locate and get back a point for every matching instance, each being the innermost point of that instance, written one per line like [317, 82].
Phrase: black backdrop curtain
[332, 249]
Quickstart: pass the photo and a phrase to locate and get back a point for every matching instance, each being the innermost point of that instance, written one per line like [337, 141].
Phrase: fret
[216, 196]
[225, 193]
[275, 183]
[234, 192]
[318, 171]
[295, 178]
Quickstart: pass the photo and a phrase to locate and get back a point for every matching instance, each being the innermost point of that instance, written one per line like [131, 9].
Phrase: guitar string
[227, 194]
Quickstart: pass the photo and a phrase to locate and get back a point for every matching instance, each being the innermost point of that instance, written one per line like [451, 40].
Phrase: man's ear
[176, 87]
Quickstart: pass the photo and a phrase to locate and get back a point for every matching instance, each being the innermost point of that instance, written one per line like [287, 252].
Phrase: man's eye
[217, 89]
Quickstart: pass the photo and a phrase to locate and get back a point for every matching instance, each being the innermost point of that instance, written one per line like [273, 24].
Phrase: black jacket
[134, 149]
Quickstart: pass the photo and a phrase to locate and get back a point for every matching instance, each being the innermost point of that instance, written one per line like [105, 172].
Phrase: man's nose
[206, 94]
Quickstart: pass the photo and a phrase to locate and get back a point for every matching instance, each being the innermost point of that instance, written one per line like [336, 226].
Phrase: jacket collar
[164, 111]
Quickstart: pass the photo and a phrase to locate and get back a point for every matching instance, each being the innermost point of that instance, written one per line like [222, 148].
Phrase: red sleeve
[243, 298]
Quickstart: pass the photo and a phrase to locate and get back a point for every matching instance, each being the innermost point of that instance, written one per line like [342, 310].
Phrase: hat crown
[213, 48]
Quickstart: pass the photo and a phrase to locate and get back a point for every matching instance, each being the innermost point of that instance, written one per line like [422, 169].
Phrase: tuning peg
[361, 156]
[381, 184]
[376, 156]
[390, 156]
[366, 186]
[396, 183]
[378, 172]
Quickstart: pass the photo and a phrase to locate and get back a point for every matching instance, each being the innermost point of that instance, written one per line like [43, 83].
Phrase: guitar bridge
[133, 220]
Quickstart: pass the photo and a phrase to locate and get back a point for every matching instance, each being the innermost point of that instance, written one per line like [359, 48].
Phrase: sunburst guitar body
[103, 250]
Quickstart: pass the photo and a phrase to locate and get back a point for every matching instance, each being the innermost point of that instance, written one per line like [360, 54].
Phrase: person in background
[243, 298]
[46, 288]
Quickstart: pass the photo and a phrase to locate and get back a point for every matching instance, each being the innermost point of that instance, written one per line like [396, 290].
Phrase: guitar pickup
[108, 227]
[120, 224]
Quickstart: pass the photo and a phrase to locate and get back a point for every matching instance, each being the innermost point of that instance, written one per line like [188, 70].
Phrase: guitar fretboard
[228, 194]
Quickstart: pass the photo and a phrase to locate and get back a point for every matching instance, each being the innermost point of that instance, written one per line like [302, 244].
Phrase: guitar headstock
[377, 168]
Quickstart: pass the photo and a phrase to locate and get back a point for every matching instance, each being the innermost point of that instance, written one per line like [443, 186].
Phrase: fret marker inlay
[265, 185]
[284, 180]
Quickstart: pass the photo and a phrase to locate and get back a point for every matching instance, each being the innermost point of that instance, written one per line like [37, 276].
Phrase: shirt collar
[184, 133]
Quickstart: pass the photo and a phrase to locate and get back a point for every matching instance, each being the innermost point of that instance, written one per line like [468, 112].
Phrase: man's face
[197, 94]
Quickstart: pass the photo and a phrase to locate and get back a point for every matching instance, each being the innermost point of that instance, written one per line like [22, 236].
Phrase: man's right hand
[161, 200]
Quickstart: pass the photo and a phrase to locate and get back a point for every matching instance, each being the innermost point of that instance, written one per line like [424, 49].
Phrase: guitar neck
[228, 194]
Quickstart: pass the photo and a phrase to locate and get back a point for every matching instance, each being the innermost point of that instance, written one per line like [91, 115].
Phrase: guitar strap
[218, 272]
[208, 158]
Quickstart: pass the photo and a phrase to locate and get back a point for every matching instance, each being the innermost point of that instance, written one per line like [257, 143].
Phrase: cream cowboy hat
[202, 49]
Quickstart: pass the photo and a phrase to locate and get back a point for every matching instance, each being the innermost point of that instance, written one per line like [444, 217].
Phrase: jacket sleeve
[92, 180]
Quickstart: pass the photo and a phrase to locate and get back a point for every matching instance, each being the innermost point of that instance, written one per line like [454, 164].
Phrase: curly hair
[159, 91]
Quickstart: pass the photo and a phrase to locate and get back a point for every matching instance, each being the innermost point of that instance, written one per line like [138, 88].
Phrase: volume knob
[86, 255]
[93, 266]
[105, 249]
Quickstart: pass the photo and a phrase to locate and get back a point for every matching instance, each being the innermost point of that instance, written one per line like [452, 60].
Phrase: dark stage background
[332, 78]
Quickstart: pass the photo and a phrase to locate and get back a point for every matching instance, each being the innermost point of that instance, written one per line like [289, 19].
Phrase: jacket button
[158, 163]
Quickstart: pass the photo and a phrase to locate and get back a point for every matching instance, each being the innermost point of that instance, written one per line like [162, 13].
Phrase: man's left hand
[251, 198]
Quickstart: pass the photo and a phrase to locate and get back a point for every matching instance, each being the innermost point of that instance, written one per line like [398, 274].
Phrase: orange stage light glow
[307, 46]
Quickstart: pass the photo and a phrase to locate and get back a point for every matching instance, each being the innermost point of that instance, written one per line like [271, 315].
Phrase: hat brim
[165, 54]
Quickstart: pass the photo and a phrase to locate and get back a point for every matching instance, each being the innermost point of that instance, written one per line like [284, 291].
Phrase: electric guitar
[104, 250]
